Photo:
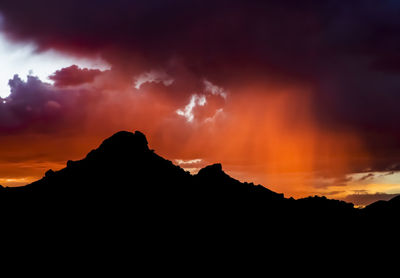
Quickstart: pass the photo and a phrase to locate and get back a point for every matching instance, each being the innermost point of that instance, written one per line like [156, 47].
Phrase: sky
[300, 96]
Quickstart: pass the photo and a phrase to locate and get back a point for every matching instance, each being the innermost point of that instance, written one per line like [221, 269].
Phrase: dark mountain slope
[123, 173]
[124, 164]
[384, 211]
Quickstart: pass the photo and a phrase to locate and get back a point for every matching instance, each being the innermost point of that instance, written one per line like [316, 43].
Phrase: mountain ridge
[124, 167]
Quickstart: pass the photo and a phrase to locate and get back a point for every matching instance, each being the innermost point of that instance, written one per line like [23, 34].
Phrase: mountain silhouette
[124, 164]
[124, 202]
[124, 174]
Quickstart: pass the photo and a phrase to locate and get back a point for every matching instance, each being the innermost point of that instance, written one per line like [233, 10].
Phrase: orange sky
[264, 133]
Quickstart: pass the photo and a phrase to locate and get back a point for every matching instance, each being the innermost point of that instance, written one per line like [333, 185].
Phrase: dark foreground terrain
[124, 203]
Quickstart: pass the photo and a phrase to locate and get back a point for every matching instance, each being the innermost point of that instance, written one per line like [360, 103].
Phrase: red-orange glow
[266, 134]
[271, 132]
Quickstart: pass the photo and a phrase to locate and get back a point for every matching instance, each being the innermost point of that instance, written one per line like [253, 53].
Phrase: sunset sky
[300, 96]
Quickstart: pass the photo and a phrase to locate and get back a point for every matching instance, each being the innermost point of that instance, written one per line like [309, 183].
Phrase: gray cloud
[40, 107]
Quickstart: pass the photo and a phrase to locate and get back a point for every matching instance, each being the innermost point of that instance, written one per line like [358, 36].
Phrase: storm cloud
[345, 54]
[73, 76]
[35, 106]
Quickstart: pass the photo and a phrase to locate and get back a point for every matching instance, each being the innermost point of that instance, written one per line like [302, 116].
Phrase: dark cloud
[367, 177]
[212, 37]
[346, 52]
[73, 75]
[342, 181]
[332, 193]
[35, 106]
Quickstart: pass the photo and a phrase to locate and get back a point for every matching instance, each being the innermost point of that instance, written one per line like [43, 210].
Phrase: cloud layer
[313, 83]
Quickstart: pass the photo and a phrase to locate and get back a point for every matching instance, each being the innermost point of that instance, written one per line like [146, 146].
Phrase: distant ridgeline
[123, 174]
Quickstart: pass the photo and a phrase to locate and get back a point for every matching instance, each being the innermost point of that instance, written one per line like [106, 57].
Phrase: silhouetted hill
[213, 179]
[124, 173]
[384, 211]
[124, 164]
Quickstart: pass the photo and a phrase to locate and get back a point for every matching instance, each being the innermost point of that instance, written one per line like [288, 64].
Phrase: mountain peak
[211, 169]
[125, 140]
